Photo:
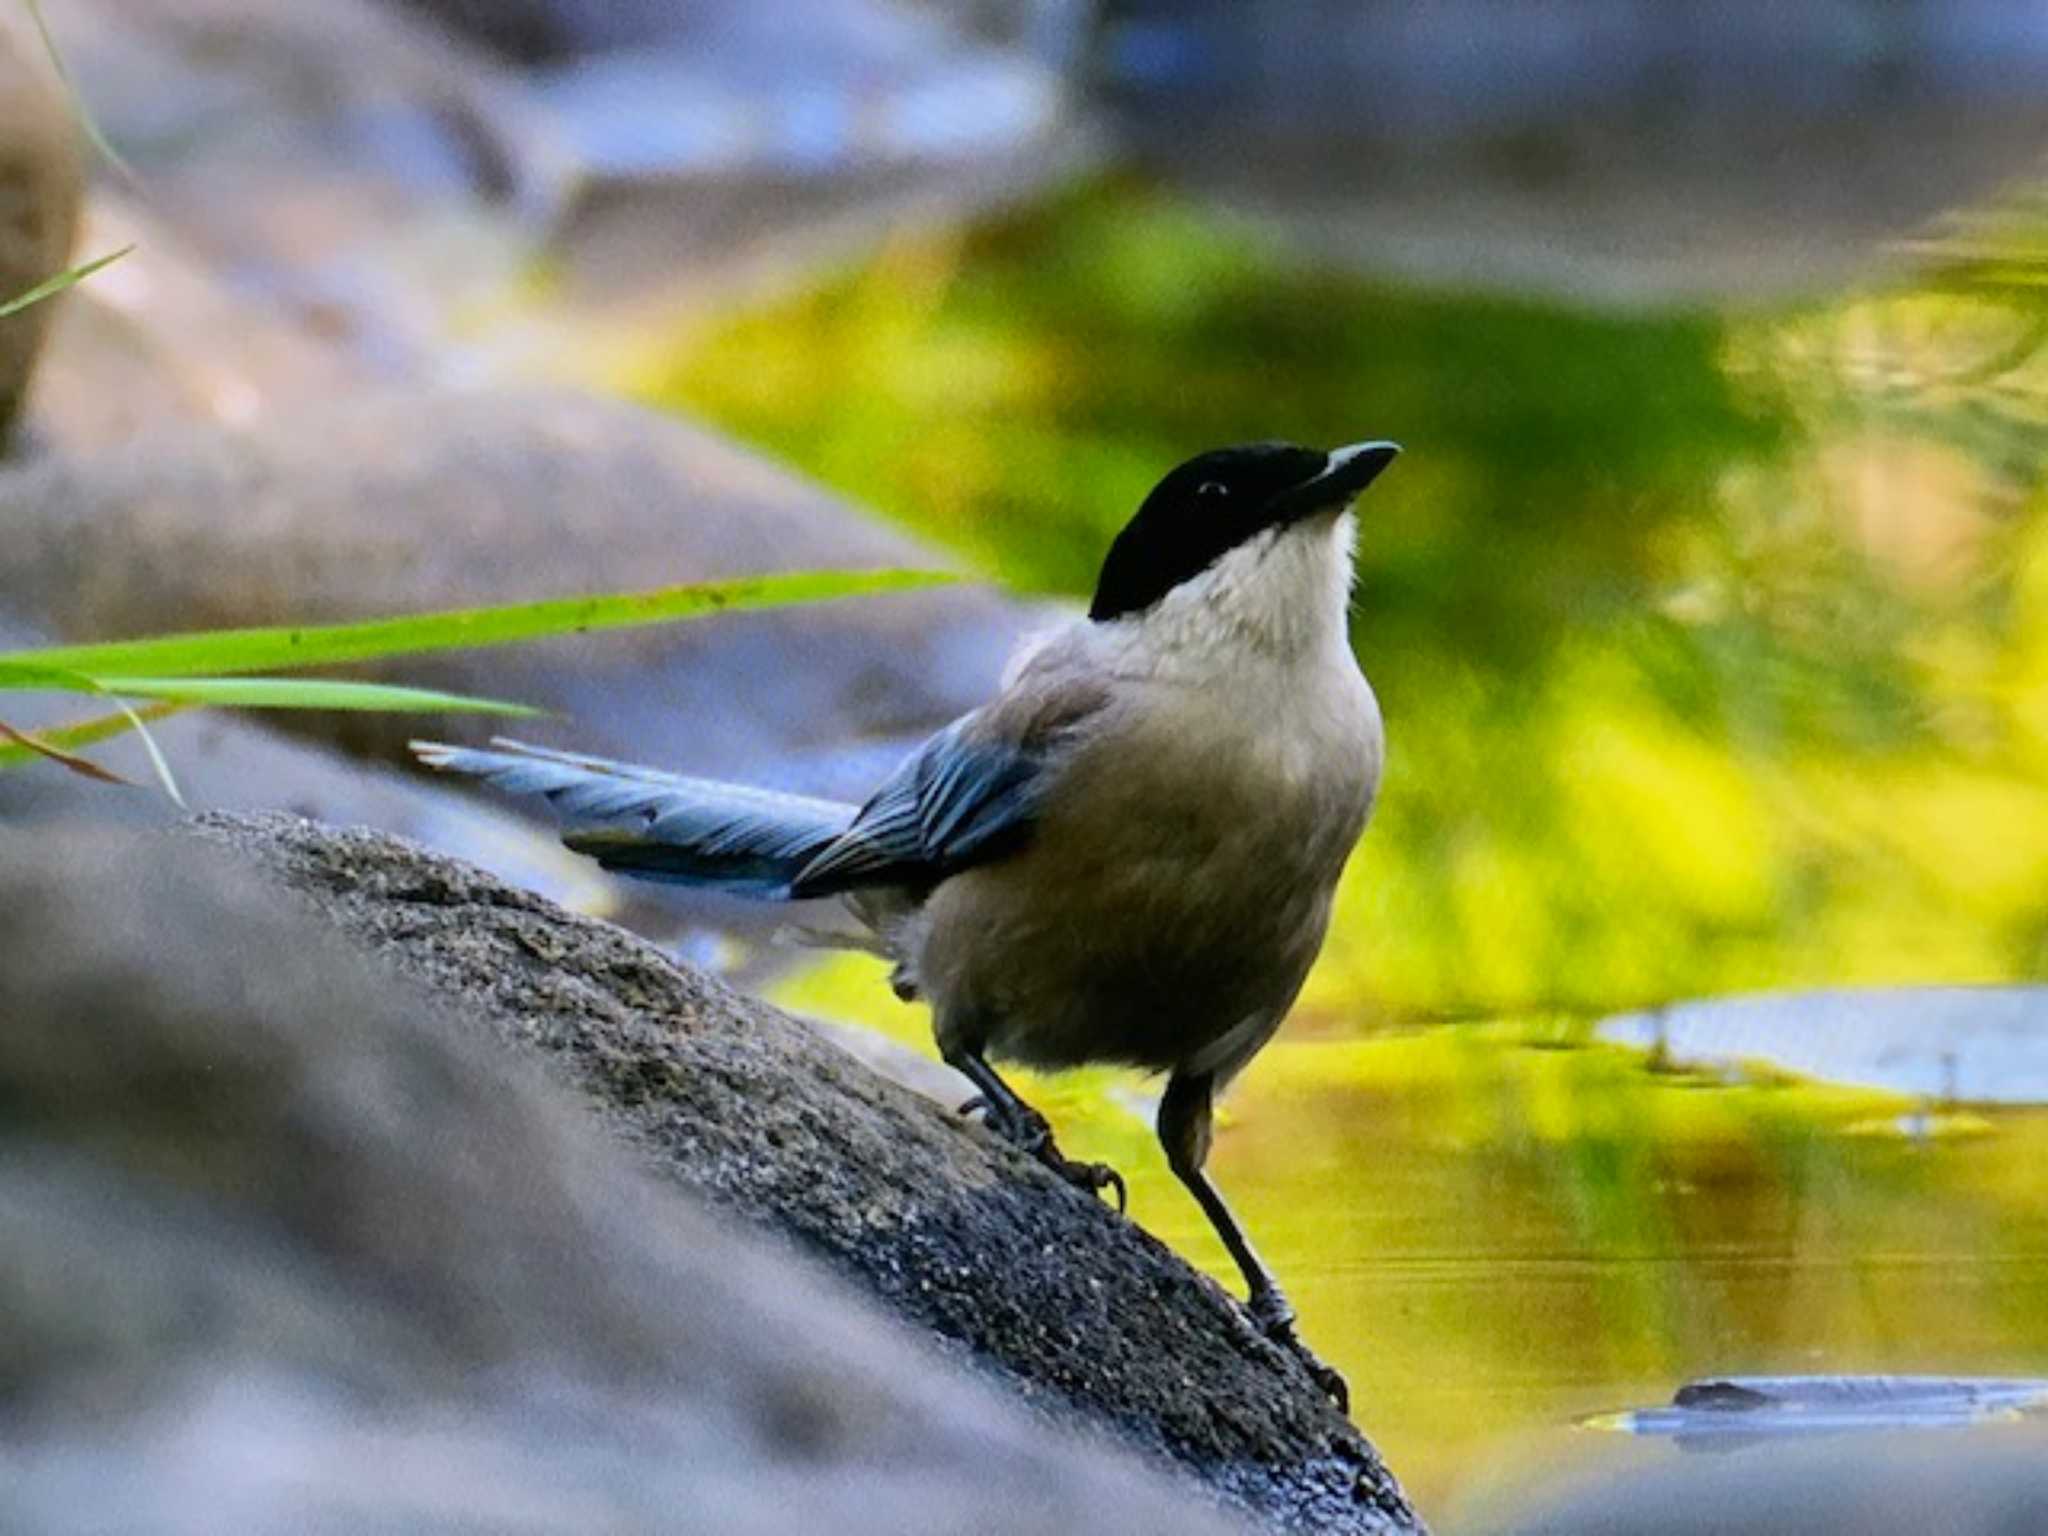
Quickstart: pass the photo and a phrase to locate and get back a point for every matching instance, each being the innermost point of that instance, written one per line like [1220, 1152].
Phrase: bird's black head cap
[1216, 501]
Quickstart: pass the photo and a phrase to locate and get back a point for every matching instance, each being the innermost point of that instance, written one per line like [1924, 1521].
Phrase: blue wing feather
[958, 800]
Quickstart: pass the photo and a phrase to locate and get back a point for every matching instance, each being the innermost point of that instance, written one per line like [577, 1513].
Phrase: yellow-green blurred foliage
[1714, 651]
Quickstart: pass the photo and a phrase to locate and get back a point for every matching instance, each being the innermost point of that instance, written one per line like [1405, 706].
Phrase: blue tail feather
[660, 826]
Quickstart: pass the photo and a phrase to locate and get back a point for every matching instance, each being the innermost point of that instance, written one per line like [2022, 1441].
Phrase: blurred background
[1708, 608]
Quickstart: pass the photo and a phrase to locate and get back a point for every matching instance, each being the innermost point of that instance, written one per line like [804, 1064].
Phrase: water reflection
[1493, 1237]
[1496, 1230]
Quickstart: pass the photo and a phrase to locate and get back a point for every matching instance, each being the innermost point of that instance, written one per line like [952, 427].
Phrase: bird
[1128, 855]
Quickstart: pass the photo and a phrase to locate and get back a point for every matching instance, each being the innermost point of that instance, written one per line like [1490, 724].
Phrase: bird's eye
[1212, 488]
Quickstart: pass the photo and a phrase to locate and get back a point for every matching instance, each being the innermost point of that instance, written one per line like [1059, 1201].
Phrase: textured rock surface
[409, 501]
[41, 181]
[1080, 1311]
[284, 1246]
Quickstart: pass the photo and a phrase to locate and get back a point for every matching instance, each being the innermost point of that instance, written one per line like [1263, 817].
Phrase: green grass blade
[284, 649]
[252, 692]
[27, 673]
[305, 693]
[61, 281]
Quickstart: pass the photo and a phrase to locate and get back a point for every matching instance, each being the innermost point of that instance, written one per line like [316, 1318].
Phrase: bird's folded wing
[960, 800]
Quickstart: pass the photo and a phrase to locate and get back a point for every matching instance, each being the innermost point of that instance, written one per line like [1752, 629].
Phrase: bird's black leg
[1185, 1114]
[1024, 1127]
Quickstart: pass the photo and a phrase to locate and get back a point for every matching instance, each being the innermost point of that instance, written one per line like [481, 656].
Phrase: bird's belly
[1151, 943]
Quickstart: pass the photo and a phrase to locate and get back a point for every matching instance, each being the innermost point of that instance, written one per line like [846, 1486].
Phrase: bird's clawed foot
[1029, 1131]
[1093, 1177]
[1274, 1319]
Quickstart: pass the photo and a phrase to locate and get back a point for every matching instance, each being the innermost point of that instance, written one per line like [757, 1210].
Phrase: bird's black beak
[1347, 472]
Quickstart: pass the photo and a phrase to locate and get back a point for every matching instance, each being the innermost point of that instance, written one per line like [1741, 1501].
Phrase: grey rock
[532, 31]
[161, 339]
[921, 1072]
[1611, 150]
[804, 89]
[1983, 1045]
[376, 177]
[186, 88]
[347, 164]
[1991, 1482]
[401, 502]
[549, 29]
[1045, 1289]
[287, 1245]
[808, 89]
[41, 183]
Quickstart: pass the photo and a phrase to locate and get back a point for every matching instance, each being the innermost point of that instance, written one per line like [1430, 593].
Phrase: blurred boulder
[1038, 1284]
[807, 87]
[348, 168]
[534, 31]
[404, 502]
[286, 92]
[383, 178]
[1607, 150]
[722, 148]
[41, 181]
[1990, 1482]
[287, 1245]
[159, 339]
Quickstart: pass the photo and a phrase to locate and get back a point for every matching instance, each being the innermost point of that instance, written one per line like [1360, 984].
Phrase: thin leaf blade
[307, 693]
[255, 692]
[52, 286]
[287, 648]
[158, 763]
[23, 673]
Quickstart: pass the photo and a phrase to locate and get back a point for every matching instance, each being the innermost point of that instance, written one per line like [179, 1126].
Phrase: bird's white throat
[1285, 594]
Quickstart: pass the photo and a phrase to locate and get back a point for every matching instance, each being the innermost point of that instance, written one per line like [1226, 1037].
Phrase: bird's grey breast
[1178, 881]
